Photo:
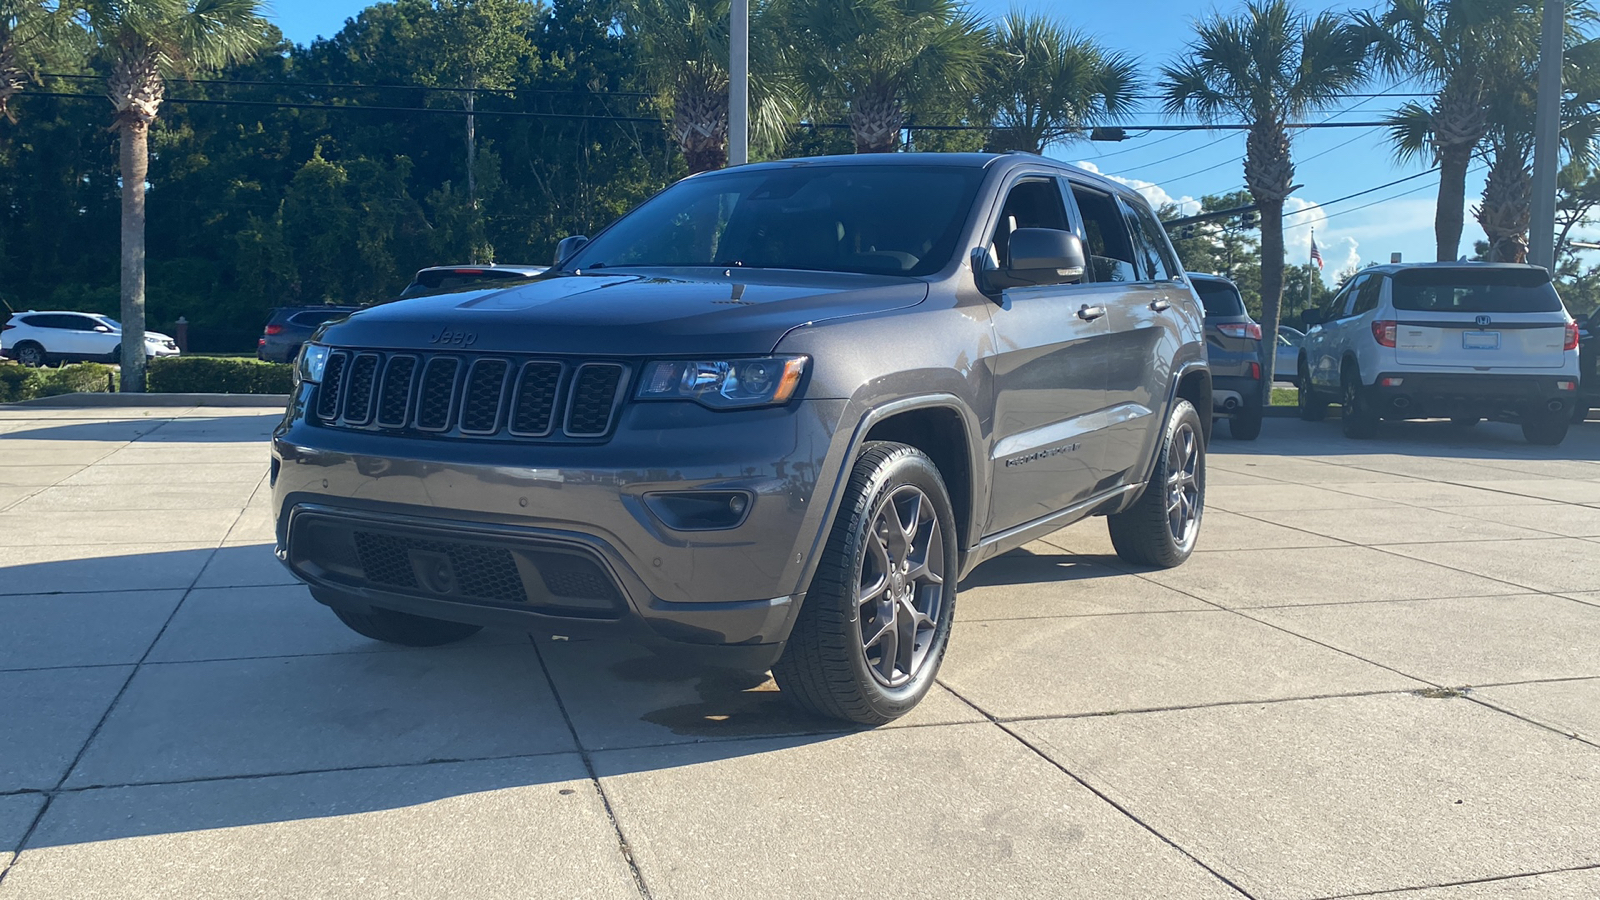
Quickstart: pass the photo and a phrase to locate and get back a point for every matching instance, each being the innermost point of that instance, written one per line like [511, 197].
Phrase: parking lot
[1380, 673]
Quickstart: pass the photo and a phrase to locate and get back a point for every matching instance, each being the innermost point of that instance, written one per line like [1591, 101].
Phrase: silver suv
[1463, 341]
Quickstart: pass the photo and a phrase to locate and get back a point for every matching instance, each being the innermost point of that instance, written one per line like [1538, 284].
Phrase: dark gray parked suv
[771, 417]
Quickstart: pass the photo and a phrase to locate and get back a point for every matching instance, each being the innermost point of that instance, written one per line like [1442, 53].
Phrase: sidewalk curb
[87, 401]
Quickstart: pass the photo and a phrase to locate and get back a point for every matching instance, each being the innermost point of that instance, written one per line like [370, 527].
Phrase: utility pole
[1547, 136]
[739, 83]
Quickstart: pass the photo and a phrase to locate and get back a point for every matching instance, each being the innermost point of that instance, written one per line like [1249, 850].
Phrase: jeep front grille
[465, 395]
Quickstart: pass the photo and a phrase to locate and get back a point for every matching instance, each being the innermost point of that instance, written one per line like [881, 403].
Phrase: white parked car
[37, 338]
[1464, 341]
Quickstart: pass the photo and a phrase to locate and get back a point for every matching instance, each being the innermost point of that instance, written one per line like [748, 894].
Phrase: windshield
[901, 220]
[1475, 291]
[115, 325]
[1219, 299]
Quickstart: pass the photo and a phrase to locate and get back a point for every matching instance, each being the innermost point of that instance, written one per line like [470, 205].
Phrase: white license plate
[1480, 340]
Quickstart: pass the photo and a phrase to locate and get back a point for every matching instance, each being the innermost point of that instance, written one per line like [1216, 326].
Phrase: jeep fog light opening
[724, 384]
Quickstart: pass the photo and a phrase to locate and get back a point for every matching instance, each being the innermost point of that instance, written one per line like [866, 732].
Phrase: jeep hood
[638, 313]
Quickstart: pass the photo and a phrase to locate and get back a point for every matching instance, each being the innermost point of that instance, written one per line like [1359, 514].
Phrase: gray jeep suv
[770, 417]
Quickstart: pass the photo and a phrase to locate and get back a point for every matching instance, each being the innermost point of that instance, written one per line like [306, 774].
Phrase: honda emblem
[1483, 321]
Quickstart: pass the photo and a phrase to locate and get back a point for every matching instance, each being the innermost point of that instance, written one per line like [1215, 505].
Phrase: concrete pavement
[1379, 676]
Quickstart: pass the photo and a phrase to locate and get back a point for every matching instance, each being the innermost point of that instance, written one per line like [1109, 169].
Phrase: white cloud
[1340, 251]
[1152, 192]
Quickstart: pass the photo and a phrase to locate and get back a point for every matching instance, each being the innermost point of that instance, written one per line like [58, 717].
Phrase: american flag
[1316, 255]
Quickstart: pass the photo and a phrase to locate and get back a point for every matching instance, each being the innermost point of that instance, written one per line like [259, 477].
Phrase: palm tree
[1507, 202]
[874, 59]
[1454, 47]
[144, 43]
[1047, 84]
[683, 49]
[1268, 65]
[30, 31]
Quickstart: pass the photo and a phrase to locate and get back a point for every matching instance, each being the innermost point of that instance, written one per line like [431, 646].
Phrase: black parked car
[1588, 366]
[291, 326]
[770, 418]
[1233, 345]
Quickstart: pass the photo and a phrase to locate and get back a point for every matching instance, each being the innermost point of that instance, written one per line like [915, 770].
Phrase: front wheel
[1160, 528]
[873, 627]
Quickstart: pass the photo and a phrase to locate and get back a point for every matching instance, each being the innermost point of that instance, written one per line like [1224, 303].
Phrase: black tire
[1546, 429]
[1312, 407]
[30, 354]
[1465, 421]
[1146, 533]
[1359, 419]
[405, 629]
[1245, 425]
[828, 665]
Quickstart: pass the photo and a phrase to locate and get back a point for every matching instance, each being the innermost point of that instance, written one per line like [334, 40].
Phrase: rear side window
[1220, 299]
[313, 319]
[1475, 291]
[1149, 243]
[1110, 249]
[440, 281]
[1367, 295]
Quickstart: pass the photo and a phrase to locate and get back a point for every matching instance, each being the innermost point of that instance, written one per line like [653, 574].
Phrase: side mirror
[569, 246]
[1312, 316]
[103, 329]
[1045, 256]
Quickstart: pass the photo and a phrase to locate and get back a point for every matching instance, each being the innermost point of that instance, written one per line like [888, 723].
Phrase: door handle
[1090, 313]
[1161, 305]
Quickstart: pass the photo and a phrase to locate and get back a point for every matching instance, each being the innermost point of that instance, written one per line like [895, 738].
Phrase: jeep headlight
[313, 359]
[724, 383]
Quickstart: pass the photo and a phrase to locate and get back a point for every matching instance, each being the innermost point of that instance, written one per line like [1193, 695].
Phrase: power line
[1176, 155]
[1363, 193]
[378, 87]
[1414, 190]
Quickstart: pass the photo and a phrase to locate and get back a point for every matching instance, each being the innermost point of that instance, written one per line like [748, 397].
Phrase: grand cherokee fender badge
[460, 338]
[1042, 454]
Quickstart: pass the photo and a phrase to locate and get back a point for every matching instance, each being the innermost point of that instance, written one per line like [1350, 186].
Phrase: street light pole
[1547, 136]
[739, 83]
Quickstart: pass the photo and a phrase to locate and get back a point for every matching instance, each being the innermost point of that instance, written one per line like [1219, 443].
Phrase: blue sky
[1331, 162]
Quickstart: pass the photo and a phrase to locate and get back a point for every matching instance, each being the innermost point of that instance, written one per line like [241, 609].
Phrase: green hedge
[21, 383]
[213, 375]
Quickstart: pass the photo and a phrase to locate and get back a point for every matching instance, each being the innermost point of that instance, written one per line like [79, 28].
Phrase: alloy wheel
[902, 585]
[1183, 485]
[30, 356]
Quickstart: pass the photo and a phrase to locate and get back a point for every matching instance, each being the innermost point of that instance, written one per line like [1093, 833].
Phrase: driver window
[1031, 203]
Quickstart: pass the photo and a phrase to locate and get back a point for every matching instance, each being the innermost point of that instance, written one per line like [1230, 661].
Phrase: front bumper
[1434, 395]
[465, 509]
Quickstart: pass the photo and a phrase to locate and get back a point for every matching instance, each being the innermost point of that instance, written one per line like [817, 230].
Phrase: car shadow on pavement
[183, 690]
[1432, 438]
[1024, 566]
[207, 430]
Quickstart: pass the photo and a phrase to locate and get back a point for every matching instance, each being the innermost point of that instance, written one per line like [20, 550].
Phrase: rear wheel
[30, 354]
[1245, 425]
[1360, 420]
[1546, 429]
[405, 629]
[1312, 408]
[873, 627]
[1160, 528]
